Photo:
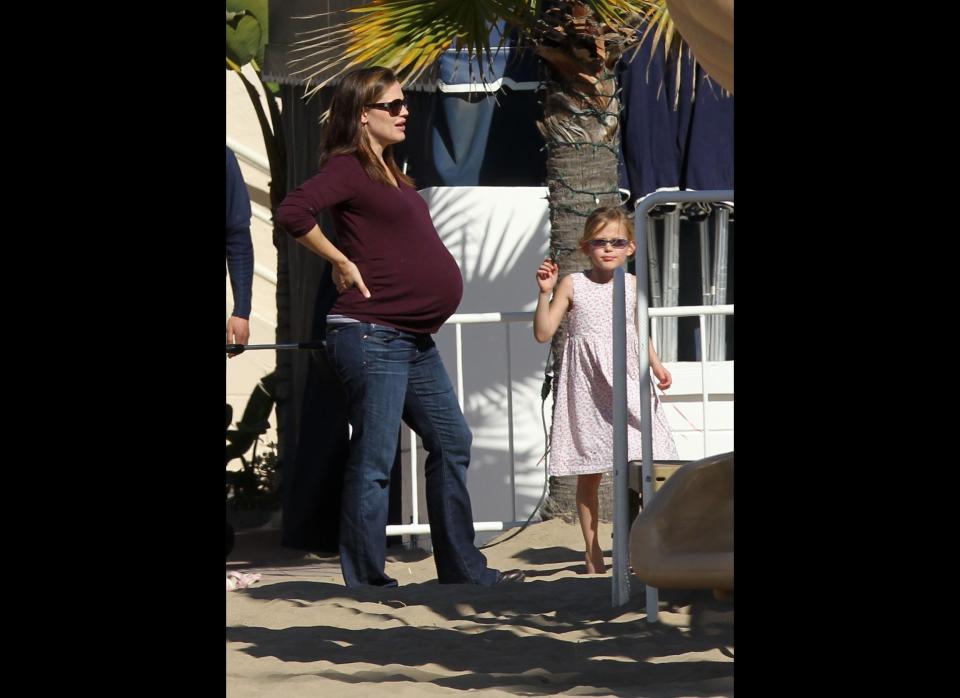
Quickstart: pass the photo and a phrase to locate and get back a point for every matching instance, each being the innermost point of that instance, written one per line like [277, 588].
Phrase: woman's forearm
[318, 243]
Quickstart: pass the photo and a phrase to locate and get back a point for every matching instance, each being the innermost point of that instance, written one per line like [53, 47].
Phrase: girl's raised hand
[547, 275]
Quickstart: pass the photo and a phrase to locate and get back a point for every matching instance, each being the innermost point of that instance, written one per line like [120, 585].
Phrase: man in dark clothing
[239, 253]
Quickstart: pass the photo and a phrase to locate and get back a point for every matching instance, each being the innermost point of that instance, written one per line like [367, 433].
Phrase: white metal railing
[265, 273]
[702, 311]
[249, 155]
[460, 319]
[620, 583]
[261, 212]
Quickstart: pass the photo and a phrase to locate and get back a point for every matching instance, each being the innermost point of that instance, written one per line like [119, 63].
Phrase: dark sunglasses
[394, 107]
[597, 243]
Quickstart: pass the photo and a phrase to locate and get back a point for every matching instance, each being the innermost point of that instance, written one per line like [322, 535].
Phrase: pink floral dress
[582, 435]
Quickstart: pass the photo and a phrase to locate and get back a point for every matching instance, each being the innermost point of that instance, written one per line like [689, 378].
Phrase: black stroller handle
[240, 348]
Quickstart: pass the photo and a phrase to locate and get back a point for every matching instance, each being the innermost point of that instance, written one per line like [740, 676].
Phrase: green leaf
[247, 30]
[243, 40]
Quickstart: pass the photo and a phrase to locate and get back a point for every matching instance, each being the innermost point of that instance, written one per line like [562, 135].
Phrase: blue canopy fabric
[672, 141]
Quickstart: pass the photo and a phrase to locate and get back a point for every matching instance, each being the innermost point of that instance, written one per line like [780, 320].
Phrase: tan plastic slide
[684, 538]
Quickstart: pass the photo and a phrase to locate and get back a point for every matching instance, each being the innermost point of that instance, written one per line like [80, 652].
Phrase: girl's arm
[664, 379]
[549, 313]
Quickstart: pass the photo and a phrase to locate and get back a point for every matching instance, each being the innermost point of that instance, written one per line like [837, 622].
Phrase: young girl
[582, 436]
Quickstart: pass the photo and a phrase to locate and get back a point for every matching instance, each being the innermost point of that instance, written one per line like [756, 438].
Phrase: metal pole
[703, 376]
[459, 335]
[646, 441]
[719, 334]
[513, 482]
[656, 297]
[621, 526]
[414, 479]
[706, 292]
[240, 348]
[671, 282]
[424, 528]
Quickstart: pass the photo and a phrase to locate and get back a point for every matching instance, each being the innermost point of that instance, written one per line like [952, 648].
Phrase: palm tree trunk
[582, 132]
[582, 153]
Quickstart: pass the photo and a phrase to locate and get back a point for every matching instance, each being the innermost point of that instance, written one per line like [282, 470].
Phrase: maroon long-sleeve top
[414, 281]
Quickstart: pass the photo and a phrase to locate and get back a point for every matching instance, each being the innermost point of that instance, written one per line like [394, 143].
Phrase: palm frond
[660, 27]
[656, 16]
[618, 14]
[407, 36]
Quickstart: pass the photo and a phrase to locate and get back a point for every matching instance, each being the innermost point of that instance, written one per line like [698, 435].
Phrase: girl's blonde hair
[601, 217]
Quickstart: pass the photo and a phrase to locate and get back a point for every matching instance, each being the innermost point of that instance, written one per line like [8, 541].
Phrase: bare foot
[594, 565]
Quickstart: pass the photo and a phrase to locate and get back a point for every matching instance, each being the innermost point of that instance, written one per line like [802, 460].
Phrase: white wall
[684, 408]
[498, 235]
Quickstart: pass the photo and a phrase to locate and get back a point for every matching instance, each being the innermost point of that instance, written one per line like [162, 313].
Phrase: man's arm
[239, 253]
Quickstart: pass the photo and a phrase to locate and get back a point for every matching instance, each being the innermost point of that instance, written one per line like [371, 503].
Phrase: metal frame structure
[620, 583]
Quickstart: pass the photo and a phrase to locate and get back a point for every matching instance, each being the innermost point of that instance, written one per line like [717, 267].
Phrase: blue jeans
[387, 375]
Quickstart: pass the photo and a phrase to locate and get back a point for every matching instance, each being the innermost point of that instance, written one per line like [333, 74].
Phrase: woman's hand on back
[346, 275]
